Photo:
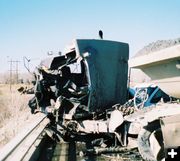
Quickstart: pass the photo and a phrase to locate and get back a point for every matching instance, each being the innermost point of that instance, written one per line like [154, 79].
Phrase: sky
[31, 28]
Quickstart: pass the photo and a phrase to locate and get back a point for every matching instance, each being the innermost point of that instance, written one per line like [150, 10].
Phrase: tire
[151, 136]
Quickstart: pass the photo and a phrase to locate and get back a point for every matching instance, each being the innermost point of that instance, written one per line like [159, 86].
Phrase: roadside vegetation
[14, 112]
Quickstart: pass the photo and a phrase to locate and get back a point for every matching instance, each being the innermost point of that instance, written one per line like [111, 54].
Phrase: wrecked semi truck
[160, 125]
[96, 69]
[78, 89]
[84, 94]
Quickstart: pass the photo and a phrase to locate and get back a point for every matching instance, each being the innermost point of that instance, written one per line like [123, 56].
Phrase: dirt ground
[14, 112]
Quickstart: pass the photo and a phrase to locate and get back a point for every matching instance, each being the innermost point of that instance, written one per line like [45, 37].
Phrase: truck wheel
[150, 144]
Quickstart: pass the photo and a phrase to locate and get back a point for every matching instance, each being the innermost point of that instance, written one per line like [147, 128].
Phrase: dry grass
[14, 112]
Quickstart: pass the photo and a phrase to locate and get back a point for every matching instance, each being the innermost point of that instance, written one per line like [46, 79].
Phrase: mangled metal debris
[163, 70]
[80, 77]
[84, 94]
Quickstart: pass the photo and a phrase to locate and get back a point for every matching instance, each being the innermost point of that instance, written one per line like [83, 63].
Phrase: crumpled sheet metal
[104, 73]
[171, 130]
[108, 70]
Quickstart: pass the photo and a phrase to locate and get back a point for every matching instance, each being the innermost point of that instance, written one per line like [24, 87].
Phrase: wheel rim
[140, 98]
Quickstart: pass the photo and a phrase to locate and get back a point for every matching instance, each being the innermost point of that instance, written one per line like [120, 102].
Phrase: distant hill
[158, 45]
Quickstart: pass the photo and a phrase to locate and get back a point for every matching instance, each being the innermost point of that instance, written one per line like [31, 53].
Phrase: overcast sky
[31, 28]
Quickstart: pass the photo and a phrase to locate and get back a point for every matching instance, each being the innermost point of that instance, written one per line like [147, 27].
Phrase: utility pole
[11, 70]
[17, 72]
[10, 77]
